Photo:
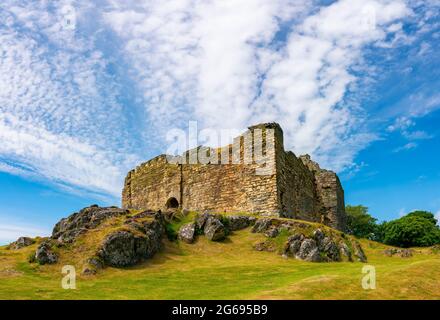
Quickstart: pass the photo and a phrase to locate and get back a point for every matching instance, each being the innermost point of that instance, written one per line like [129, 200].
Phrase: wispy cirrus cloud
[406, 147]
[59, 110]
[80, 106]
[237, 63]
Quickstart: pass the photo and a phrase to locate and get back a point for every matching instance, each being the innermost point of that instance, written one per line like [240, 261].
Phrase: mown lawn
[229, 270]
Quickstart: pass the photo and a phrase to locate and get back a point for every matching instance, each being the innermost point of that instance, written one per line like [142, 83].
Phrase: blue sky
[89, 90]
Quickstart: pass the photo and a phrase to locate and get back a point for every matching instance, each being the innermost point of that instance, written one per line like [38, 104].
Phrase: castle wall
[228, 188]
[298, 197]
[151, 184]
[295, 188]
[215, 187]
[330, 195]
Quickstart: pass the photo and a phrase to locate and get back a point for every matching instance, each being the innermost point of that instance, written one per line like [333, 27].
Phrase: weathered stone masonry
[296, 188]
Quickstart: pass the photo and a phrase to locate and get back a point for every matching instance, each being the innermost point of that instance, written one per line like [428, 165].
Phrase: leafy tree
[411, 230]
[379, 233]
[360, 223]
[424, 214]
[417, 229]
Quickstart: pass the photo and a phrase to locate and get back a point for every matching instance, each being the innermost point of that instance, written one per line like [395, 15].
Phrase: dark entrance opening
[172, 203]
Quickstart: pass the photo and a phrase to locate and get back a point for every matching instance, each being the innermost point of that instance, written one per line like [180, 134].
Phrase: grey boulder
[358, 252]
[403, 253]
[201, 219]
[345, 251]
[237, 222]
[330, 249]
[309, 251]
[262, 225]
[187, 232]
[45, 254]
[214, 230]
[128, 247]
[21, 243]
[68, 229]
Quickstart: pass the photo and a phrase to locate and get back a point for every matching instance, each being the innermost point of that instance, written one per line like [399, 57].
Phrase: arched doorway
[172, 203]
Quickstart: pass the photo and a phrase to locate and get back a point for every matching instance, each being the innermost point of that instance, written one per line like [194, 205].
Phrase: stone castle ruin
[282, 185]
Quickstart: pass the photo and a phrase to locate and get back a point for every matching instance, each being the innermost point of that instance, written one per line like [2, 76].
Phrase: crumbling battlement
[284, 185]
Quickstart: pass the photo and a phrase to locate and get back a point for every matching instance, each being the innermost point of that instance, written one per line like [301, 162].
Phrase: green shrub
[412, 230]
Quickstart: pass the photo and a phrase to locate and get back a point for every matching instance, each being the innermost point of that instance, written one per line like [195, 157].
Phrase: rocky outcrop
[68, 229]
[123, 248]
[214, 229]
[21, 243]
[93, 265]
[202, 218]
[237, 222]
[329, 249]
[317, 247]
[345, 251]
[358, 252]
[187, 232]
[138, 238]
[293, 244]
[272, 232]
[45, 253]
[127, 247]
[262, 225]
[309, 251]
[403, 253]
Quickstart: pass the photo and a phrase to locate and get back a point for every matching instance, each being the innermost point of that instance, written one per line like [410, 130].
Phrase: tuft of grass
[31, 257]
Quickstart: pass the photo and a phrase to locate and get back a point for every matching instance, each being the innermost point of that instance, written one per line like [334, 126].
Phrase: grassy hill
[231, 269]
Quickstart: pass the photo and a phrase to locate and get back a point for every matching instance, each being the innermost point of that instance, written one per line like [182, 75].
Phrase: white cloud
[76, 163]
[418, 135]
[227, 64]
[437, 216]
[222, 63]
[406, 147]
[401, 124]
[58, 108]
[11, 232]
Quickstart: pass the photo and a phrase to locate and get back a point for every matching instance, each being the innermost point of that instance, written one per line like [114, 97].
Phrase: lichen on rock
[68, 229]
[124, 248]
[187, 232]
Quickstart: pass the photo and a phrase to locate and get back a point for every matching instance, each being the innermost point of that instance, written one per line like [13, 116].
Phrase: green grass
[228, 270]
[178, 221]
